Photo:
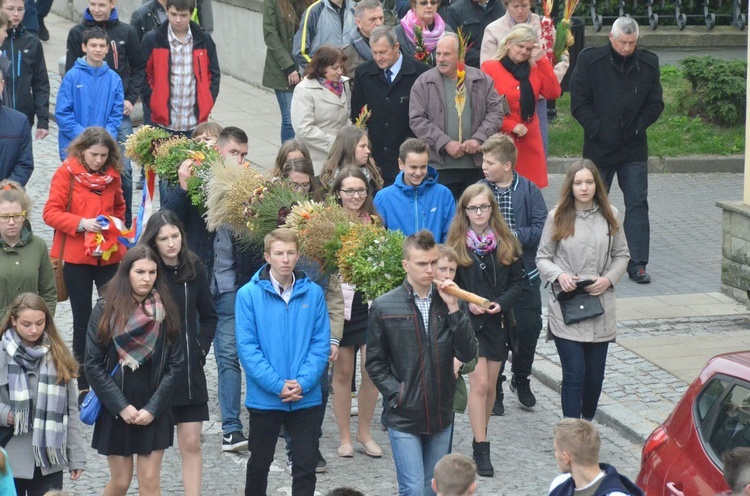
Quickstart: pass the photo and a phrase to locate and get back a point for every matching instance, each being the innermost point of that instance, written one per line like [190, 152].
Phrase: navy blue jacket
[530, 213]
[613, 482]
[16, 159]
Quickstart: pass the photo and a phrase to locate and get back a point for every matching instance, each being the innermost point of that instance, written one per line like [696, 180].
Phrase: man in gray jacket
[325, 22]
[433, 117]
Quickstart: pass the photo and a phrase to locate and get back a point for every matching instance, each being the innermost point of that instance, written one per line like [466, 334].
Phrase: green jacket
[278, 34]
[26, 268]
[461, 398]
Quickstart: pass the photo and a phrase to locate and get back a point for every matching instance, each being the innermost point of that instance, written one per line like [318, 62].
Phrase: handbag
[57, 263]
[91, 407]
[578, 305]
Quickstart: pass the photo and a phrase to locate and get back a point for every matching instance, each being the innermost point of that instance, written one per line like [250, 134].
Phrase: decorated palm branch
[363, 117]
[463, 46]
[420, 50]
[555, 45]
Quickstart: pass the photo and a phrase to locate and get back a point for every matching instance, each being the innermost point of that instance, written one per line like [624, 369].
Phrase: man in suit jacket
[384, 85]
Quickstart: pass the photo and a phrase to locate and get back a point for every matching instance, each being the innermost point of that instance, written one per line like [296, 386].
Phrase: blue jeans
[414, 478]
[285, 105]
[126, 129]
[583, 374]
[228, 364]
[633, 180]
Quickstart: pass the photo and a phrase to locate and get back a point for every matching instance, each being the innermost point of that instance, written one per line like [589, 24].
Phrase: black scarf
[521, 73]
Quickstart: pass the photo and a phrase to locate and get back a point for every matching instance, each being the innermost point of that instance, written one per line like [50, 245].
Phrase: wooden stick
[468, 296]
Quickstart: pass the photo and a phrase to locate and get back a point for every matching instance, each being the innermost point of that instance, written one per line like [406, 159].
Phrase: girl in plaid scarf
[38, 398]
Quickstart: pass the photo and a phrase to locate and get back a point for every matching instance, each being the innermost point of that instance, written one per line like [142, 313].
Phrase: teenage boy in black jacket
[27, 84]
[414, 333]
[126, 58]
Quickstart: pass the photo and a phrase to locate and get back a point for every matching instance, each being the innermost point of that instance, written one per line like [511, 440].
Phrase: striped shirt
[182, 83]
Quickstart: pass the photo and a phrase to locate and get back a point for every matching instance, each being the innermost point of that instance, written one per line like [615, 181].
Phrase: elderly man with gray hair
[615, 94]
[368, 14]
[433, 117]
[384, 84]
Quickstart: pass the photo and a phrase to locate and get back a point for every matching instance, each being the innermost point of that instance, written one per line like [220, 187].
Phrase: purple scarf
[481, 245]
[430, 37]
[336, 87]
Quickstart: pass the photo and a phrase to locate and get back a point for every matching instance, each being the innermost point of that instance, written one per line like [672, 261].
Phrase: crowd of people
[370, 117]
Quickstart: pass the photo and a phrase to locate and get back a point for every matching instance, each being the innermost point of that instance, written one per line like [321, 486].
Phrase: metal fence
[674, 12]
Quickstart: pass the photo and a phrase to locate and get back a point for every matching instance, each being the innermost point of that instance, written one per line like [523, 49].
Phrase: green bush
[717, 89]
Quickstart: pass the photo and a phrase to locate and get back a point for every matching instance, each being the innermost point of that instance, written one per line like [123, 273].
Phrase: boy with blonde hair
[525, 212]
[454, 476]
[577, 444]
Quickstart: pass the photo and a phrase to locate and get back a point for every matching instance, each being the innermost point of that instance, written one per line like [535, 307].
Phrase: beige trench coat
[584, 254]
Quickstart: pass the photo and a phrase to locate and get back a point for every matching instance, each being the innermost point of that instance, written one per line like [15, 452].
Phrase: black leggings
[80, 280]
[40, 484]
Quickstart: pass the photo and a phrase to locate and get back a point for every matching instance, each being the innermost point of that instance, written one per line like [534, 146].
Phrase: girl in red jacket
[87, 185]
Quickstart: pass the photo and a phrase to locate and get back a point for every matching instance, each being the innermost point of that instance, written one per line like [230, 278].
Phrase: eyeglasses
[480, 208]
[424, 3]
[352, 192]
[20, 10]
[301, 187]
[4, 219]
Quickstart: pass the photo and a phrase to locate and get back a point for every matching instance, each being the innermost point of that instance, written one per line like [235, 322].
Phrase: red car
[683, 455]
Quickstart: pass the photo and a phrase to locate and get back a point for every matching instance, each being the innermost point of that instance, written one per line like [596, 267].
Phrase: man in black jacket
[415, 332]
[384, 85]
[125, 57]
[16, 159]
[472, 16]
[615, 93]
[28, 83]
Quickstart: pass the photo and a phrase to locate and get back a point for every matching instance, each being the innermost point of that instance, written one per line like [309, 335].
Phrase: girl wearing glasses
[38, 399]
[489, 264]
[24, 258]
[352, 147]
[86, 186]
[301, 176]
[354, 193]
[423, 14]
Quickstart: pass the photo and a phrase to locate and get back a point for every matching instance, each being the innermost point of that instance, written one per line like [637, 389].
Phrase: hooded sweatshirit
[88, 96]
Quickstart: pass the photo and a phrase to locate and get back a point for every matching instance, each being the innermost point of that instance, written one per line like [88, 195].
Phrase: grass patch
[674, 134]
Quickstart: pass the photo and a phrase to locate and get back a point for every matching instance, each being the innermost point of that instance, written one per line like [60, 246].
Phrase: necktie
[389, 76]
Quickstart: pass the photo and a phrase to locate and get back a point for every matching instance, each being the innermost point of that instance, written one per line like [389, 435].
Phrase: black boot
[522, 389]
[43, 32]
[499, 408]
[482, 458]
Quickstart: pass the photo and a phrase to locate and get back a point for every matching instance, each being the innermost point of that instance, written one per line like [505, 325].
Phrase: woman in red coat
[91, 173]
[522, 80]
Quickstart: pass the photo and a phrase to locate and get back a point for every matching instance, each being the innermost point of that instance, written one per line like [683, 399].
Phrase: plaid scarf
[481, 245]
[136, 342]
[48, 418]
[336, 87]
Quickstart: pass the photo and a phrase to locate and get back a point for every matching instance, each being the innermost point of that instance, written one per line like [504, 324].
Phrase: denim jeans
[285, 105]
[633, 180]
[228, 364]
[302, 426]
[414, 478]
[583, 374]
[126, 129]
[35, 10]
[525, 334]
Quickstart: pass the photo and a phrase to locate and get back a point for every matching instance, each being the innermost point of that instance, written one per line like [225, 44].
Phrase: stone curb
[610, 413]
[675, 165]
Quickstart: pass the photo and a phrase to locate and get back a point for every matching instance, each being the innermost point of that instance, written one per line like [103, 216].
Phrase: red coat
[532, 161]
[85, 204]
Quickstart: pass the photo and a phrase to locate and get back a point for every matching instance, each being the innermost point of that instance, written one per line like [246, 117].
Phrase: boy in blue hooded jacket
[91, 94]
[283, 341]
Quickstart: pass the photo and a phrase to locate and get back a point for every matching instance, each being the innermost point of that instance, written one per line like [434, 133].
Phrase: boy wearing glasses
[416, 201]
[27, 85]
[16, 159]
[524, 210]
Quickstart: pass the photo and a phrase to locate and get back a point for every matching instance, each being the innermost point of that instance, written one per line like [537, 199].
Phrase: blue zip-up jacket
[410, 208]
[16, 158]
[278, 341]
[88, 96]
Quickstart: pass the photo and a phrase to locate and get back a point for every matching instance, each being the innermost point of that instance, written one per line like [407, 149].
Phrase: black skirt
[355, 329]
[113, 436]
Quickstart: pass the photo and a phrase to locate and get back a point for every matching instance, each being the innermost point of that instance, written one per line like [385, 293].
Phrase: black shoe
[498, 410]
[640, 276]
[522, 390]
[234, 442]
[482, 459]
[43, 33]
[322, 465]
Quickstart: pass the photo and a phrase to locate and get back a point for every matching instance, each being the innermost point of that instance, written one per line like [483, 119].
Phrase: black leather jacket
[168, 365]
[413, 369]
